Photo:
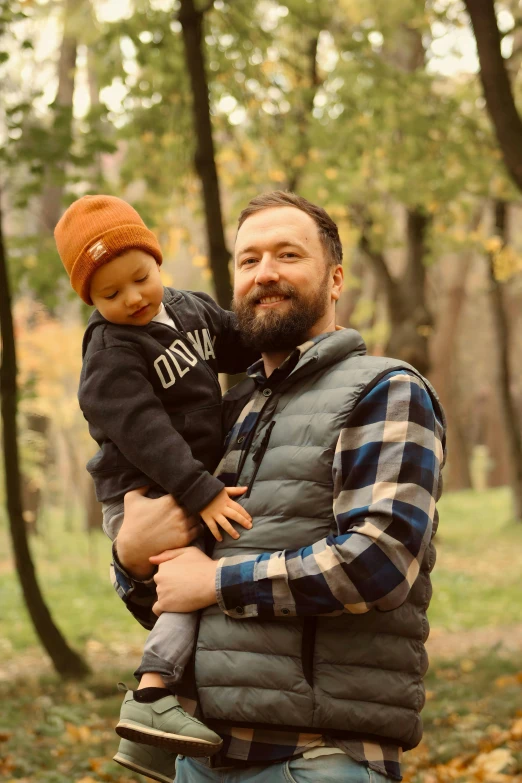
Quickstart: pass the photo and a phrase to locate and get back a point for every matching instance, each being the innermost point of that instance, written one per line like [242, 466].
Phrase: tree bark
[512, 422]
[65, 660]
[410, 320]
[63, 108]
[204, 160]
[496, 85]
[302, 120]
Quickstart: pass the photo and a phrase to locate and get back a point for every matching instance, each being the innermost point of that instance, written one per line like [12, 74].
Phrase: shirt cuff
[236, 586]
[126, 582]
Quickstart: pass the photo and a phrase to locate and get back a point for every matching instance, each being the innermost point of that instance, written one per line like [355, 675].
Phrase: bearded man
[310, 655]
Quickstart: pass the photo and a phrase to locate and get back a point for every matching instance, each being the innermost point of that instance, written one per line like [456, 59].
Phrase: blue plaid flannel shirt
[387, 479]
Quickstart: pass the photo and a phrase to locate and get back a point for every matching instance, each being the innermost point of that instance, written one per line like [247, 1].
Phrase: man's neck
[274, 360]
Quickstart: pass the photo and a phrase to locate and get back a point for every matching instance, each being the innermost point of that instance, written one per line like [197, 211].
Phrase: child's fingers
[240, 510]
[227, 527]
[214, 530]
[234, 491]
[239, 518]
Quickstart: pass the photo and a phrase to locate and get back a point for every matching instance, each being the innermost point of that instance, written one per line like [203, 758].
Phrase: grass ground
[52, 733]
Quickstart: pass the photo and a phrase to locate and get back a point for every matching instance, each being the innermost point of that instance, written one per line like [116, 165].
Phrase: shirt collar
[257, 370]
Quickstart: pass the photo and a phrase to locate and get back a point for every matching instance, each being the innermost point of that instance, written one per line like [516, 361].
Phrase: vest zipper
[258, 455]
[246, 446]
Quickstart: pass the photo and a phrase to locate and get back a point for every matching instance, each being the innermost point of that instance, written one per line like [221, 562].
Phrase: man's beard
[273, 331]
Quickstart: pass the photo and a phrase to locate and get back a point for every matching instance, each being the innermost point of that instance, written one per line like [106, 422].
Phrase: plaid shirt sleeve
[386, 476]
[138, 596]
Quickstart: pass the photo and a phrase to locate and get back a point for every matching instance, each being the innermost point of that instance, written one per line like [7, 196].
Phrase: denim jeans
[324, 769]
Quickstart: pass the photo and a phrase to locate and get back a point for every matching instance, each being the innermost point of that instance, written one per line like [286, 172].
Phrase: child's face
[128, 289]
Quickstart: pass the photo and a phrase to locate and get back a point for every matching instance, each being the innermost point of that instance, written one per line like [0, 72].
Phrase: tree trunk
[513, 425]
[443, 346]
[205, 162]
[410, 320]
[302, 120]
[496, 84]
[66, 662]
[63, 111]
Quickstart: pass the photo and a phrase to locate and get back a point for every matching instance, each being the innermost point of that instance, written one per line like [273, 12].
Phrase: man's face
[284, 288]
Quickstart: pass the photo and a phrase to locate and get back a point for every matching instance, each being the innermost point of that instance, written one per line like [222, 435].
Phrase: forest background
[401, 120]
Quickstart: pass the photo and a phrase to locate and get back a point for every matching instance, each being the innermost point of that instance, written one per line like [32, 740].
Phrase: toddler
[150, 393]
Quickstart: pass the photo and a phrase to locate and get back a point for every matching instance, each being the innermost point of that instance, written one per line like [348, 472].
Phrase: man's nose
[266, 271]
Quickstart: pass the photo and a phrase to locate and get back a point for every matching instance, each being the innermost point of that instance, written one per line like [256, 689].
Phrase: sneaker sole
[175, 743]
[149, 773]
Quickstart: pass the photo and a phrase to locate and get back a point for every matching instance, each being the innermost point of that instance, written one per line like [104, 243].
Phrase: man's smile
[271, 301]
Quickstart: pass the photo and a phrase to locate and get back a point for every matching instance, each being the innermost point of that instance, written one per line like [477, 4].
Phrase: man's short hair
[328, 232]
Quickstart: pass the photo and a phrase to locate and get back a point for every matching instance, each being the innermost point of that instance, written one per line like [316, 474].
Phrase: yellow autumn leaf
[492, 762]
[516, 729]
[493, 244]
[330, 173]
[276, 175]
[200, 261]
[78, 733]
[166, 278]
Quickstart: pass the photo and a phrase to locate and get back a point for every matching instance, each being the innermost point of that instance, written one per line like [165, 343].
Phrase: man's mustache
[272, 290]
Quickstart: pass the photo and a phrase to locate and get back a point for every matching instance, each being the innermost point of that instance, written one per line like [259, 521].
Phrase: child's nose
[133, 297]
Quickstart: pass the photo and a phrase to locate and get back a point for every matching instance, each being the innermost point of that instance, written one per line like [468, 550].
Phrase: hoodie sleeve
[232, 354]
[117, 397]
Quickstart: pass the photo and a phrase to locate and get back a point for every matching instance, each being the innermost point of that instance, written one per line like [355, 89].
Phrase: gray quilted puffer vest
[346, 675]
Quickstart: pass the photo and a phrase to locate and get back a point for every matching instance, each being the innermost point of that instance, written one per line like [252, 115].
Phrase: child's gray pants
[171, 641]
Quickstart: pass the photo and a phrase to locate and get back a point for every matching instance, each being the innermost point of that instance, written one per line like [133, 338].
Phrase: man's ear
[337, 282]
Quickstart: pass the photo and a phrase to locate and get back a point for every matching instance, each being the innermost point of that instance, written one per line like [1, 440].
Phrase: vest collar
[334, 348]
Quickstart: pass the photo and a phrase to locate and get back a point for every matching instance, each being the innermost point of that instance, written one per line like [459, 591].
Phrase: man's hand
[151, 526]
[185, 582]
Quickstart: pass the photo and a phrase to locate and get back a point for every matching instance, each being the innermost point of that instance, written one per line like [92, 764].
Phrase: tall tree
[65, 660]
[496, 84]
[512, 419]
[192, 21]
[496, 75]
[62, 116]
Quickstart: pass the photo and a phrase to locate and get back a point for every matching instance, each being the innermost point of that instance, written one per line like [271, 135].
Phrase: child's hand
[220, 508]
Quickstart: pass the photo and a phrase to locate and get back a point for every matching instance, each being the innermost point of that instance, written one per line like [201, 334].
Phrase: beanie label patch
[97, 250]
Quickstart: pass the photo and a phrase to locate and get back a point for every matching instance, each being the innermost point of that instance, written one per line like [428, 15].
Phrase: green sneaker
[165, 724]
[154, 763]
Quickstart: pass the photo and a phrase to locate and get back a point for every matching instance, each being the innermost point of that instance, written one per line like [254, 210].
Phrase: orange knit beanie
[93, 231]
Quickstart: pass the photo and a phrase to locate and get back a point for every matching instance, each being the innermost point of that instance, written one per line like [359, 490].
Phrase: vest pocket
[308, 649]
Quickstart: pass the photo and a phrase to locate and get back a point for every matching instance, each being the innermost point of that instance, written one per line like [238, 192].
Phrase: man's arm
[149, 526]
[232, 355]
[386, 481]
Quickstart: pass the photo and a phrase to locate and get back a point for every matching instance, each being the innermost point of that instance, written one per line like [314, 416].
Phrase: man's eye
[112, 296]
[248, 261]
[142, 279]
[289, 254]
